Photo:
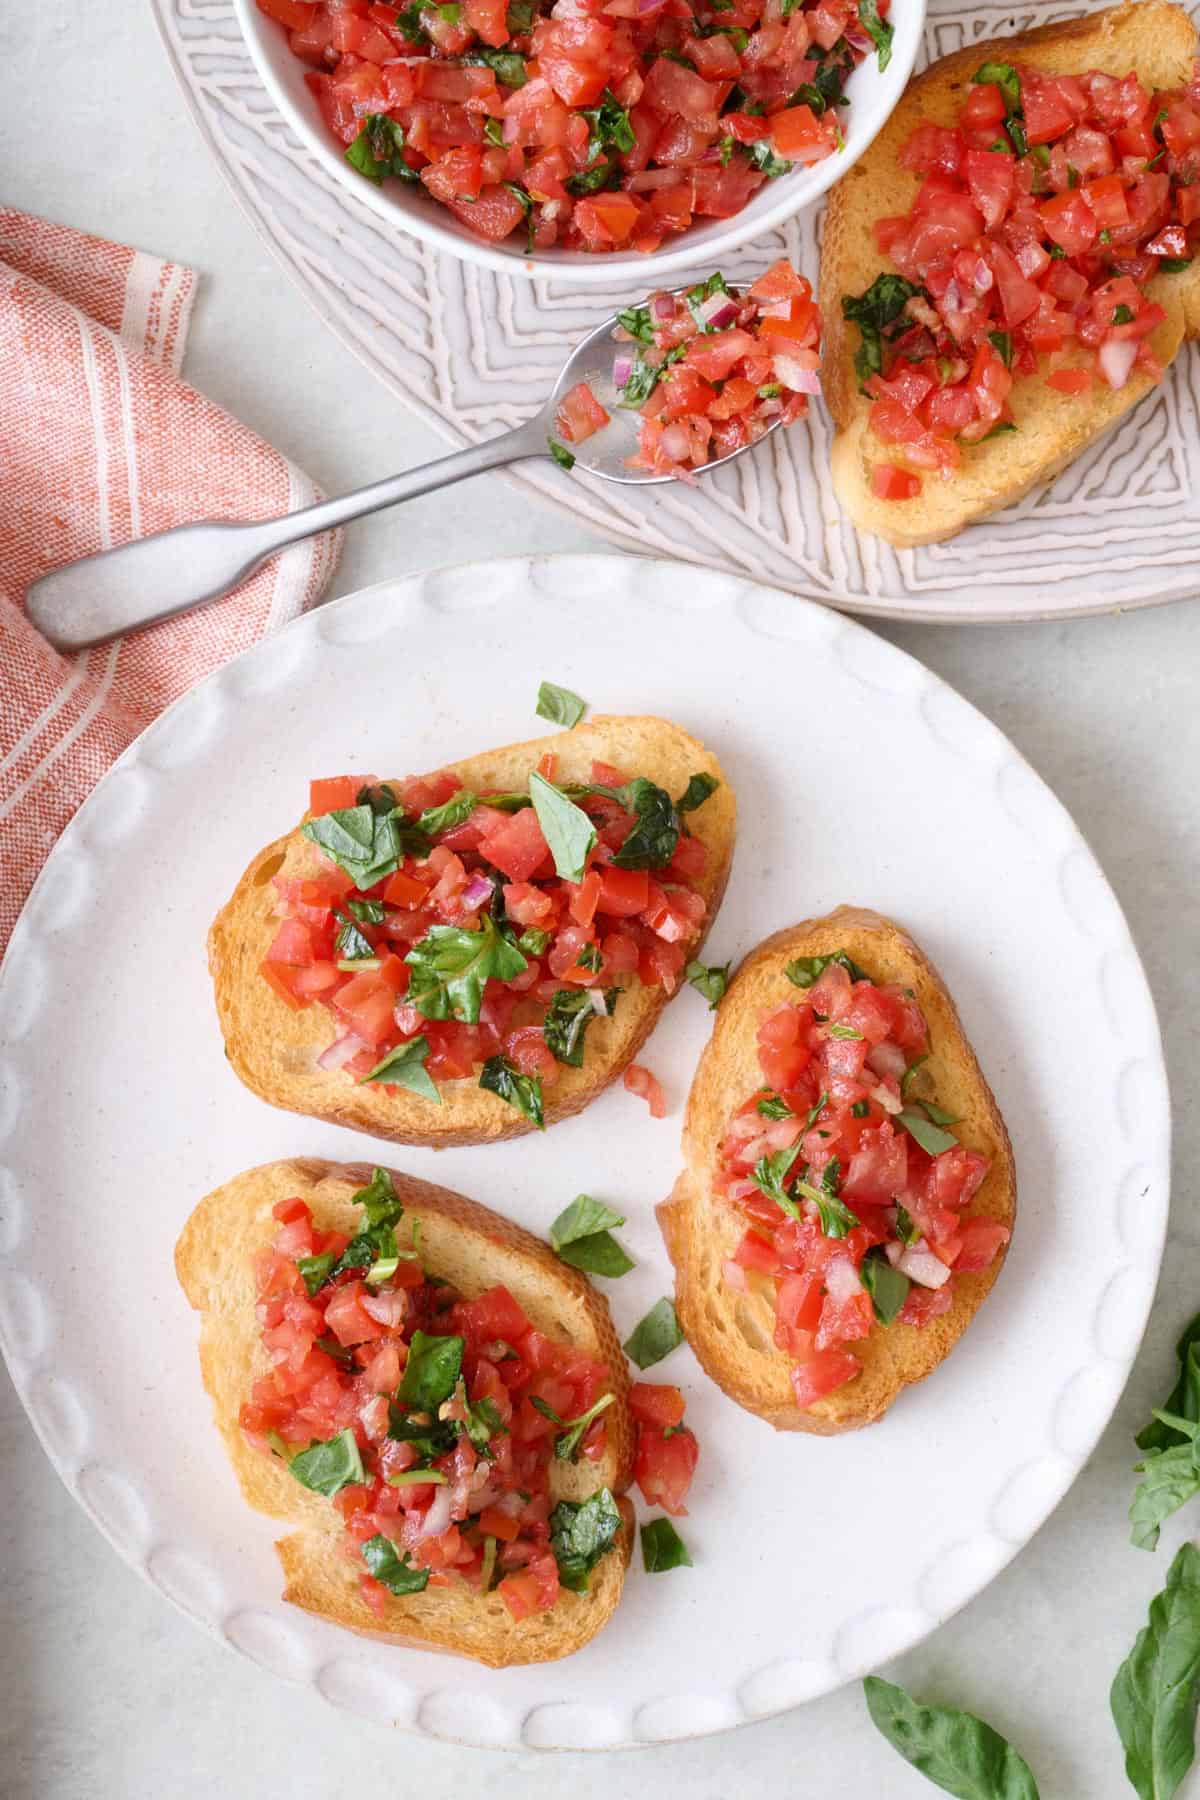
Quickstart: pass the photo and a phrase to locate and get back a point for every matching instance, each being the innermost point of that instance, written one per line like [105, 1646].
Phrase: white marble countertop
[109, 1693]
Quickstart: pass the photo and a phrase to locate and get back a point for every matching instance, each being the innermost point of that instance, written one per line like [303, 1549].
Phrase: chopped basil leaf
[405, 1067]
[598, 1254]
[379, 1199]
[568, 831]
[533, 940]
[328, 1467]
[677, 56]
[493, 131]
[845, 1031]
[580, 1533]
[396, 1572]
[1122, 315]
[499, 1076]
[774, 1106]
[566, 1446]
[954, 1750]
[663, 1548]
[771, 1175]
[378, 150]
[431, 1372]
[938, 1114]
[727, 146]
[559, 452]
[654, 838]
[880, 315]
[763, 157]
[594, 180]
[451, 966]
[1003, 76]
[409, 22]
[505, 65]
[931, 1137]
[589, 958]
[860, 1109]
[837, 1220]
[579, 1220]
[636, 321]
[803, 971]
[331, 1347]
[655, 1336]
[878, 30]
[609, 126]
[1171, 265]
[709, 980]
[909, 1073]
[887, 1287]
[816, 1111]
[484, 1423]
[315, 1270]
[907, 1230]
[565, 1025]
[366, 843]
[640, 383]
[351, 944]
[428, 1438]
[456, 811]
[367, 912]
[559, 705]
[704, 290]
[417, 1477]
[1001, 342]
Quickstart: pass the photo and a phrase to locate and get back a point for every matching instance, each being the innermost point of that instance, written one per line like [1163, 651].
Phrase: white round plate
[859, 778]
[873, 95]
[473, 351]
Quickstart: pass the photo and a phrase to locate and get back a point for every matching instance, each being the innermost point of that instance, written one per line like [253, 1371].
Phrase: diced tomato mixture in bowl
[1041, 217]
[593, 125]
[453, 936]
[856, 1196]
[709, 370]
[431, 1420]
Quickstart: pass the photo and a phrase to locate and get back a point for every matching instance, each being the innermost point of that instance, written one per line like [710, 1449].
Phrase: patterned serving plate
[861, 778]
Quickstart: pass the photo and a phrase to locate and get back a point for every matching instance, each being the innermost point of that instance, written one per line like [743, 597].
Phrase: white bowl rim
[609, 268]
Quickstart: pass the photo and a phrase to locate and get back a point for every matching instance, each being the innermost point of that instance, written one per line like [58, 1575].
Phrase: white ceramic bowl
[872, 96]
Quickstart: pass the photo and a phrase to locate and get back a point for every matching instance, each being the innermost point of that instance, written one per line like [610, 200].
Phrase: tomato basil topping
[854, 1187]
[449, 929]
[709, 370]
[430, 1420]
[591, 124]
[1040, 218]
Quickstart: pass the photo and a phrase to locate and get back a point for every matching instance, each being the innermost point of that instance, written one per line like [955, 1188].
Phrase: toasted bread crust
[732, 1334]
[274, 1050]
[1156, 39]
[475, 1248]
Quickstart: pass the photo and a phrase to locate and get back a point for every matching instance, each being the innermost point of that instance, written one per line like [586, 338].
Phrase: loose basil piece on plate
[663, 1548]
[655, 1336]
[559, 705]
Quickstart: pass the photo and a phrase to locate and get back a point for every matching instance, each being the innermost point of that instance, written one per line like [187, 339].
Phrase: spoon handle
[115, 591]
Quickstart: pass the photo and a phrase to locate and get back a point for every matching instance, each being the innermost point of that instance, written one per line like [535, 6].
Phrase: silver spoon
[102, 596]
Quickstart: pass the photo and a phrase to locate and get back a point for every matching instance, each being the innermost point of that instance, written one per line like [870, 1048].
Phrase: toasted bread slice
[732, 1333]
[475, 1249]
[275, 1050]
[1154, 38]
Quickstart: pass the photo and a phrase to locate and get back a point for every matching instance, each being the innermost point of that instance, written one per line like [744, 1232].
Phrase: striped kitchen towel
[100, 442]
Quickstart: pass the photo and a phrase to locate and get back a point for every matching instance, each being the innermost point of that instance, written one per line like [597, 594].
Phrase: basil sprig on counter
[959, 1753]
[582, 1236]
[1154, 1694]
[580, 1533]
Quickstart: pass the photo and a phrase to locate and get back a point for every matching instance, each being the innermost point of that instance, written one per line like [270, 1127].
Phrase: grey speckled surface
[106, 1692]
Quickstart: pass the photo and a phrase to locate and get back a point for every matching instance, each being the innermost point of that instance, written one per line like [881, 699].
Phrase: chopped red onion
[622, 368]
[662, 307]
[793, 374]
[340, 1052]
[388, 1308]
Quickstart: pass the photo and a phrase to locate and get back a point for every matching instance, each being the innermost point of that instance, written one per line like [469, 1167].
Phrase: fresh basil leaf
[803, 971]
[704, 290]
[561, 455]
[378, 150]
[484, 1423]
[379, 1199]
[456, 811]
[771, 1174]
[906, 1079]
[493, 129]
[499, 1076]
[337, 1351]
[655, 1336]
[580, 1534]
[566, 1446]
[709, 980]
[931, 1137]
[861, 1109]
[763, 157]
[636, 321]
[409, 22]
[1184, 1399]
[1154, 1694]
[366, 843]
[351, 944]
[1171, 265]
[1001, 342]
[565, 1024]
[699, 789]
[640, 383]
[431, 1372]
[815, 1111]
[609, 125]
[663, 1548]
[1003, 76]
[773, 1106]
[887, 1287]
[428, 1439]
[367, 912]
[598, 1254]
[1170, 1478]
[837, 1220]
[880, 315]
[405, 1067]
[328, 1467]
[396, 1572]
[568, 831]
[506, 65]
[956, 1751]
[845, 1031]
[596, 179]
[654, 838]
[559, 705]
[315, 1270]
[878, 30]
[907, 1229]
[589, 958]
[451, 967]
[579, 1220]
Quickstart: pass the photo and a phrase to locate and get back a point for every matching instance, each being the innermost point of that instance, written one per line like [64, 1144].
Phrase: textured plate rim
[1065, 1464]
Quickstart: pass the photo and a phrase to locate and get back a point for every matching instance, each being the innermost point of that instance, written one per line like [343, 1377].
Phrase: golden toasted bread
[475, 1249]
[1151, 37]
[275, 1049]
[732, 1333]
